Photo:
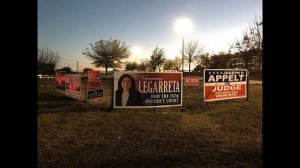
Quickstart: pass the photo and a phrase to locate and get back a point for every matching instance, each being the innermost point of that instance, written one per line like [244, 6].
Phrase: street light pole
[182, 53]
[182, 27]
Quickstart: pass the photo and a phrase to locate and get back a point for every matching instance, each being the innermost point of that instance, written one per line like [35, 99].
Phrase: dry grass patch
[224, 134]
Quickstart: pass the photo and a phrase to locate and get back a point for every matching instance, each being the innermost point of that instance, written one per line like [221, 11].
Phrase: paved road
[255, 82]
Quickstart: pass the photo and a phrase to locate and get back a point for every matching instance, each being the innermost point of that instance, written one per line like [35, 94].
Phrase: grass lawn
[218, 134]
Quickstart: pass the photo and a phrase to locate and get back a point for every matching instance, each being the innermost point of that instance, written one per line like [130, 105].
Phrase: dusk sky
[69, 26]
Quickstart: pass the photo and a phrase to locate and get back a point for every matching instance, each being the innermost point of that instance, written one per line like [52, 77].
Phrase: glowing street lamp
[183, 26]
[136, 50]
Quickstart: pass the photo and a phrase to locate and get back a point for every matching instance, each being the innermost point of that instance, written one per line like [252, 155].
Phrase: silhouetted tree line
[242, 53]
[47, 61]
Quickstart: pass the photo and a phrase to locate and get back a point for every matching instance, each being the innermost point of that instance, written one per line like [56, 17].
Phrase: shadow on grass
[189, 159]
[205, 159]
[54, 102]
[46, 95]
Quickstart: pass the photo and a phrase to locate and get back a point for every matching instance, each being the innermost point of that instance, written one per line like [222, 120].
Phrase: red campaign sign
[94, 83]
[222, 84]
[73, 82]
[220, 92]
[60, 80]
[93, 80]
[191, 81]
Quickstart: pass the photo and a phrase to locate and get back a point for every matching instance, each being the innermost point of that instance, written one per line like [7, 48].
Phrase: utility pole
[77, 65]
[182, 53]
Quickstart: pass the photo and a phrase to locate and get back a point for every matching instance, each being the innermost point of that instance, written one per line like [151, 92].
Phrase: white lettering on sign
[227, 87]
[222, 78]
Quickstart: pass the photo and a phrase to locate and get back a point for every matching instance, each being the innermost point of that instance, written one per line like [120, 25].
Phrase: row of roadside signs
[70, 84]
[157, 89]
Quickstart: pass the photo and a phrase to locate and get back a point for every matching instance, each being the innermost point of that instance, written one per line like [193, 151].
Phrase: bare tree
[250, 46]
[144, 65]
[205, 60]
[256, 36]
[220, 61]
[191, 52]
[177, 63]
[46, 56]
[200, 59]
[157, 58]
[47, 60]
[169, 64]
[131, 66]
[107, 53]
[243, 47]
[173, 64]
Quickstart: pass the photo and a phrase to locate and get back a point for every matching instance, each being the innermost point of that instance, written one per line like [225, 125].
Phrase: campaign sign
[94, 85]
[191, 81]
[222, 84]
[73, 82]
[147, 89]
[60, 80]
